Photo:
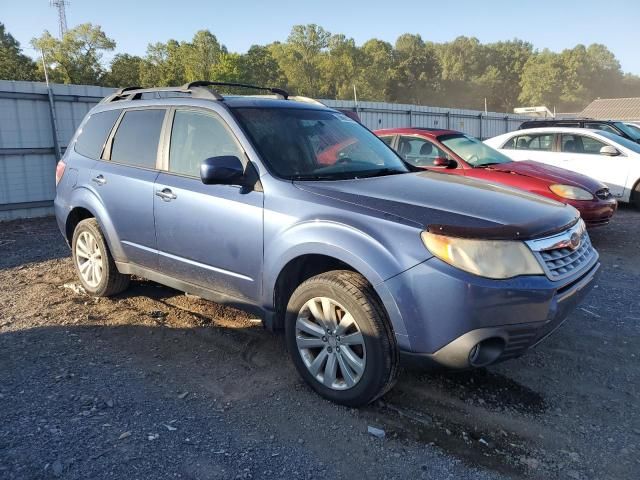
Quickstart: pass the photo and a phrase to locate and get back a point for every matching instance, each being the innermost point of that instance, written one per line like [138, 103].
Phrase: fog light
[486, 352]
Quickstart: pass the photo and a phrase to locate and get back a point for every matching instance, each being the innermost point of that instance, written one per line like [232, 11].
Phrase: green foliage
[125, 71]
[313, 62]
[14, 65]
[77, 57]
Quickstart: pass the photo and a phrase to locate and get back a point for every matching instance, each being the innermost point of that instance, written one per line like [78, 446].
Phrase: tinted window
[632, 131]
[542, 142]
[601, 126]
[136, 141]
[388, 140]
[196, 136]
[94, 134]
[419, 152]
[580, 144]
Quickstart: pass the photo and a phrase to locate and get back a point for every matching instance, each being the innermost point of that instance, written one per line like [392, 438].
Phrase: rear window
[136, 141]
[94, 133]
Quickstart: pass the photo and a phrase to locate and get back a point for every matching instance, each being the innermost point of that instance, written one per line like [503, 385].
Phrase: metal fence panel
[483, 125]
[27, 158]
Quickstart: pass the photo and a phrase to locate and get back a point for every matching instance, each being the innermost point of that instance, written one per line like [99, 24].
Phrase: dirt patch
[154, 383]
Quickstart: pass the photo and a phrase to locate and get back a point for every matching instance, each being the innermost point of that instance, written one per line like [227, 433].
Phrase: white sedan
[598, 154]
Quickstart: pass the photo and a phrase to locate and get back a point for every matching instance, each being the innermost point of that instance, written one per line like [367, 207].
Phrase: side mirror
[222, 170]
[443, 162]
[609, 151]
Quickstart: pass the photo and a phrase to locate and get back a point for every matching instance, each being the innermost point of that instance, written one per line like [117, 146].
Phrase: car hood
[453, 205]
[549, 173]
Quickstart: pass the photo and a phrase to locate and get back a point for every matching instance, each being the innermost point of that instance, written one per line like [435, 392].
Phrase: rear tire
[94, 264]
[340, 339]
[635, 196]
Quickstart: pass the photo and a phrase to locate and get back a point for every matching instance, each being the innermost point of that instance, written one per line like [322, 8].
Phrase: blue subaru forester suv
[281, 206]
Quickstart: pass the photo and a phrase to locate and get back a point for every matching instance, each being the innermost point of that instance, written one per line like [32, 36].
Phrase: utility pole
[52, 111]
[62, 16]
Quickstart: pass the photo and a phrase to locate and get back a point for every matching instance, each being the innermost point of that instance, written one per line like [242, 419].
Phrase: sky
[133, 24]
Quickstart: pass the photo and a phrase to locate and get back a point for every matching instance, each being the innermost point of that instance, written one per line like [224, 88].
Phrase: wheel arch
[85, 204]
[307, 260]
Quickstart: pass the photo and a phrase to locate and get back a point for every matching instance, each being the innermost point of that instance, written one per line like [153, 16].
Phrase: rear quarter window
[94, 133]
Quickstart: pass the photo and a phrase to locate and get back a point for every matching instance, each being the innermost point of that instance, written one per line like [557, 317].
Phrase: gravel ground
[156, 384]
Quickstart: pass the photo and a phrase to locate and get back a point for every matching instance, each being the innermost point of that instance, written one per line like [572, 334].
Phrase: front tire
[94, 264]
[340, 339]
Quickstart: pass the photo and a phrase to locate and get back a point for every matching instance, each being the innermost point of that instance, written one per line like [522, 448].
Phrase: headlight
[572, 193]
[486, 258]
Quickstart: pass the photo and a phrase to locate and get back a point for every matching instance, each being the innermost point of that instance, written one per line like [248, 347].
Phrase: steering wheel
[472, 159]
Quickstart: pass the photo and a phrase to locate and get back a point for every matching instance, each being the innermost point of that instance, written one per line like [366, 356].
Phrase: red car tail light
[60, 171]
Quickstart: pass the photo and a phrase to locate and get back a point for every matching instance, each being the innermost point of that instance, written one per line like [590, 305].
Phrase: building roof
[613, 109]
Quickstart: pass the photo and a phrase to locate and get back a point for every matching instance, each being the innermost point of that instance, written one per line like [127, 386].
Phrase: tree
[500, 81]
[163, 65]
[415, 72]
[77, 58]
[125, 71]
[373, 78]
[259, 67]
[300, 57]
[340, 67]
[14, 65]
[542, 80]
[201, 56]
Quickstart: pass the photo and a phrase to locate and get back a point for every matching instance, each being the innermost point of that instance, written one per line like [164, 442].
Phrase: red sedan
[455, 153]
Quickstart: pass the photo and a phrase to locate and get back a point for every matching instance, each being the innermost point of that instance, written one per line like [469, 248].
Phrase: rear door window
[580, 144]
[419, 152]
[136, 140]
[539, 142]
[94, 133]
[196, 136]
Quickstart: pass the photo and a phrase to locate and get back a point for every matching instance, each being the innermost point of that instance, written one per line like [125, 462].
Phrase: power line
[62, 16]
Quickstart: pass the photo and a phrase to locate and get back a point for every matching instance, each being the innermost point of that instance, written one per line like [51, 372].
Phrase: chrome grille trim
[560, 256]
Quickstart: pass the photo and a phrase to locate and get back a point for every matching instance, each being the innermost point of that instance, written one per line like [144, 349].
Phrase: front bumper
[595, 213]
[447, 313]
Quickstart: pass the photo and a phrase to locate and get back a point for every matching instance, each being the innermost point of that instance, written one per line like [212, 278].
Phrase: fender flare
[85, 198]
[360, 251]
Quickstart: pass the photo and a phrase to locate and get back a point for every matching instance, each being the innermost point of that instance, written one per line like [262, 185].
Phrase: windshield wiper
[310, 177]
[378, 173]
[487, 164]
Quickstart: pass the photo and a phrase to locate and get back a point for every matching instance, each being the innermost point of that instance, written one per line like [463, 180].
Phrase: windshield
[632, 131]
[625, 142]
[473, 151]
[300, 144]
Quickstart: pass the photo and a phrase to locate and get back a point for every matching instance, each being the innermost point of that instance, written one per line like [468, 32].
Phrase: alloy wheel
[330, 343]
[89, 259]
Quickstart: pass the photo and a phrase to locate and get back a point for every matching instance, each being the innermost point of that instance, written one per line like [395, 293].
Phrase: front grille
[603, 194]
[565, 254]
[562, 262]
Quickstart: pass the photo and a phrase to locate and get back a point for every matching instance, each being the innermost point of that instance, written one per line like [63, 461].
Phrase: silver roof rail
[197, 89]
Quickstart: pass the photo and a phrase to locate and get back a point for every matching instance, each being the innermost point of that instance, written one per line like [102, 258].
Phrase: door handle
[100, 180]
[166, 194]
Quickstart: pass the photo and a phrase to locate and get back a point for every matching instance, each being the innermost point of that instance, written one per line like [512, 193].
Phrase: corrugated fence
[28, 140]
